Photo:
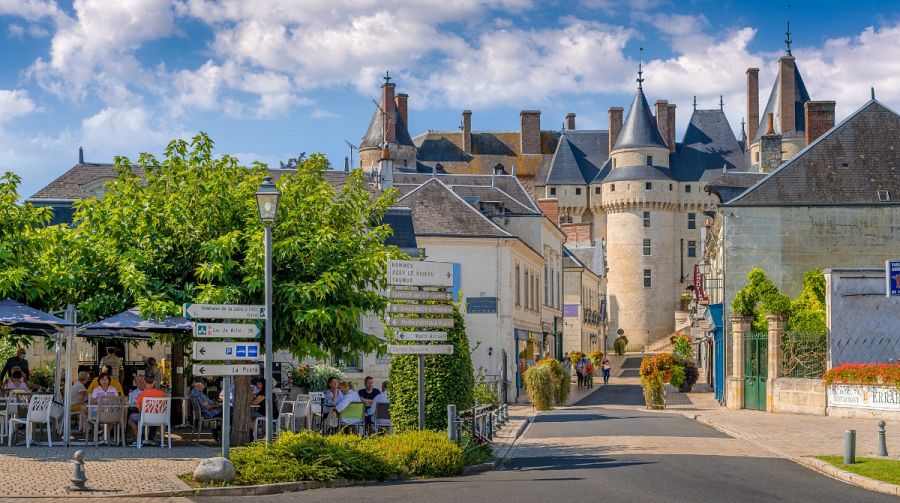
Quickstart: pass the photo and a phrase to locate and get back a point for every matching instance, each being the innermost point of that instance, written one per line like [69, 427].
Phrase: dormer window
[649, 160]
[648, 186]
[884, 196]
[499, 169]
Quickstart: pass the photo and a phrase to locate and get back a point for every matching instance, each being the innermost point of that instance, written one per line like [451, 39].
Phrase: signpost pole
[226, 416]
[421, 392]
[268, 362]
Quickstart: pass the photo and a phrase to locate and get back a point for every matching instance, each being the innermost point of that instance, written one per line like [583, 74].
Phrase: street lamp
[267, 203]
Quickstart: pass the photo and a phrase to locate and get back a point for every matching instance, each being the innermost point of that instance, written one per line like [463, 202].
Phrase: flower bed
[872, 374]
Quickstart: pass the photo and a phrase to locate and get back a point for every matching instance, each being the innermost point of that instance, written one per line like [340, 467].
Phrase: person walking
[605, 368]
[579, 368]
[589, 374]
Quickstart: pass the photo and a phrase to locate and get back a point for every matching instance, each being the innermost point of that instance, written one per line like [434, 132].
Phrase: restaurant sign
[864, 397]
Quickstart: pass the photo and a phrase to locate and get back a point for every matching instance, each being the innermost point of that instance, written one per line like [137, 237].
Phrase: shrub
[485, 394]
[575, 357]
[682, 349]
[420, 453]
[691, 374]
[678, 376]
[43, 376]
[596, 357]
[620, 344]
[875, 374]
[300, 376]
[474, 452]
[540, 386]
[319, 375]
[655, 372]
[561, 379]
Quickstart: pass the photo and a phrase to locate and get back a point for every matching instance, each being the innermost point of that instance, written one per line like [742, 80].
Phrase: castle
[632, 188]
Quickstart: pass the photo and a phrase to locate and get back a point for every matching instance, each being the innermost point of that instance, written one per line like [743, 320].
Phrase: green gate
[756, 370]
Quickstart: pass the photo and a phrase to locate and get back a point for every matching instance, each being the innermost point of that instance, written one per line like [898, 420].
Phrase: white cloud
[15, 30]
[114, 131]
[14, 104]
[323, 114]
[31, 10]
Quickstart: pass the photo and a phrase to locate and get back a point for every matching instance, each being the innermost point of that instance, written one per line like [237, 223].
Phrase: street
[607, 448]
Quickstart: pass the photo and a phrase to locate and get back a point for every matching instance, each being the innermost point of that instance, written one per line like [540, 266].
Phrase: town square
[480, 250]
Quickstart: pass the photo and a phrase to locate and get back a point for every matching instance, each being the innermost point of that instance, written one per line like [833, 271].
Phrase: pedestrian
[17, 361]
[579, 369]
[589, 374]
[605, 367]
[114, 363]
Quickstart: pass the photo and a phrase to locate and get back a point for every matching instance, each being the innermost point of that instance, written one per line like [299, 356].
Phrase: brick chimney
[786, 90]
[467, 131]
[671, 116]
[577, 234]
[769, 147]
[401, 100]
[615, 125]
[550, 208]
[819, 118]
[752, 102]
[570, 121]
[530, 134]
[387, 108]
[662, 119]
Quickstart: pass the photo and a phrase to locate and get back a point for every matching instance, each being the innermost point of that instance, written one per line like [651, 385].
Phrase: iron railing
[804, 354]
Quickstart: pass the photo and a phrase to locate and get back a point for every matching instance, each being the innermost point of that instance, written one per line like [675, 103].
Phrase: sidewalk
[788, 435]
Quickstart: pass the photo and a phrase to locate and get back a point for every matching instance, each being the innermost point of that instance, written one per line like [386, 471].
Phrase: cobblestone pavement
[45, 471]
[787, 434]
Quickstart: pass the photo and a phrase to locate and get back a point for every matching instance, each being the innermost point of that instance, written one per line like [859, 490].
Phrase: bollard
[78, 477]
[451, 422]
[849, 447]
[882, 442]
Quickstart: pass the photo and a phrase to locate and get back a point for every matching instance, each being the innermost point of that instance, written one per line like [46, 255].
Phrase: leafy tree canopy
[761, 297]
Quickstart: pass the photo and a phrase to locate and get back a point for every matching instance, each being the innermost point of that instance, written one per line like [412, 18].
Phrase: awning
[130, 325]
[26, 320]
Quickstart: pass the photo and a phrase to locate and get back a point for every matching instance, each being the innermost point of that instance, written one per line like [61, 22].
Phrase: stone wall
[799, 396]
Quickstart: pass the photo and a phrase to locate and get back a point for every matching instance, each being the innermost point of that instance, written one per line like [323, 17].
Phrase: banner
[699, 294]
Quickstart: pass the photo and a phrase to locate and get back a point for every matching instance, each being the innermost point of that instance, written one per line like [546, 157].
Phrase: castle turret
[388, 130]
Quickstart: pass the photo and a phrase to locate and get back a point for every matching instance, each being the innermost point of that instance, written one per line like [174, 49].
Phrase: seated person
[105, 369]
[368, 394]
[103, 388]
[209, 408]
[383, 396]
[148, 392]
[333, 394]
[80, 395]
[17, 380]
[139, 385]
[349, 397]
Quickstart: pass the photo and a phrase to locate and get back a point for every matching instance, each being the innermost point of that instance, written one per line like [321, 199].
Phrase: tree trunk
[241, 422]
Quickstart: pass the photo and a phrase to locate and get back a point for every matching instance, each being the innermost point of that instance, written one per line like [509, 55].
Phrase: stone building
[584, 308]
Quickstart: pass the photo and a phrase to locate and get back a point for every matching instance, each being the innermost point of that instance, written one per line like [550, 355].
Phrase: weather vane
[640, 79]
[387, 77]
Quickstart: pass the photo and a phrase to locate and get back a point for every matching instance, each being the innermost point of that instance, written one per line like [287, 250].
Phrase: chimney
[615, 125]
[786, 90]
[530, 131]
[550, 209]
[346, 163]
[770, 124]
[577, 234]
[819, 118]
[387, 108]
[80, 155]
[671, 116]
[662, 119]
[752, 102]
[467, 131]
[400, 101]
[570, 121]
[769, 147]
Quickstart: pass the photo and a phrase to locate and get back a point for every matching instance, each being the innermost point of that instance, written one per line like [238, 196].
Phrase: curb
[812, 463]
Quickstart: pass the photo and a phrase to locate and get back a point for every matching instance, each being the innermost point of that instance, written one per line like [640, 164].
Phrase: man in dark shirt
[16, 361]
[368, 395]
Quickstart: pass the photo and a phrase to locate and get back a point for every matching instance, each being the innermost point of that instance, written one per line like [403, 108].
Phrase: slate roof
[489, 149]
[404, 236]
[867, 143]
[708, 145]
[438, 211]
[639, 129]
[773, 106]
[590, 257]
[628, 173]
[375, 133]
[729, 184]
[578, 158]
[506, 188]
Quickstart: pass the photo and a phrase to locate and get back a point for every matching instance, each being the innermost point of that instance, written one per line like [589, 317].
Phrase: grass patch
[885, 470]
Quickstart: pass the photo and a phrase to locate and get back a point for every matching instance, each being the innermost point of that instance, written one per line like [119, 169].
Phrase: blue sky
[270, 78]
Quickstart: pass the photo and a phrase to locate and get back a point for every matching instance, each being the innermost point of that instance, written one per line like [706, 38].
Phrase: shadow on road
[565, 463]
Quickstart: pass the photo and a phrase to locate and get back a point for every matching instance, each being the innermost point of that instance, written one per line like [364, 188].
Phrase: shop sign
[481, 305]
[892, 276]
[864, 397]
[570, 310]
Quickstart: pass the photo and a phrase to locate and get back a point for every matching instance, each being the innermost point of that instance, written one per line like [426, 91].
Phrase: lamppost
[267, 203]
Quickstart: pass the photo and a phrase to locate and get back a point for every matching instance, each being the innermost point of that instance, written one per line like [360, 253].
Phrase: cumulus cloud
[14, 104]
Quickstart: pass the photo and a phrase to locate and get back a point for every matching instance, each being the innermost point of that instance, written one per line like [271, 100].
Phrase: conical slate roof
[640, 128]
[374, 134]
[801, 96]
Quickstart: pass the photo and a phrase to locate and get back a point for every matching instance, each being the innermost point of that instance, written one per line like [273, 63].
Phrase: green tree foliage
[808, 310]
[449, 379]
[758, 298]
[23, 243]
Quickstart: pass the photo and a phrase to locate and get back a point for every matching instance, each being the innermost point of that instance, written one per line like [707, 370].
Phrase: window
[527, 282]
[577, 191]
[353, 363]
[884, 196]
[670, 187]
[614, 162]
[646, 219]
[756, 157]
[692, 220]
[646, 247]
[596, 190]
[649, 160]
[552, 191]
[687, 188]
[518, 288]
[612, 187]
[648, 279]
[404, 162]
[692, 248]
[545, 285]
[537, 291]
[648, 186]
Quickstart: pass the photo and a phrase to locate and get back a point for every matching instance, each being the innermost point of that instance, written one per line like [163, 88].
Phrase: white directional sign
[421, 322]
[224, 312]
[418, 295]
[226, 351]
[420, 308]
[226, 370]
[422, 336]
[430, 349]
[420, 273]
[226, 330]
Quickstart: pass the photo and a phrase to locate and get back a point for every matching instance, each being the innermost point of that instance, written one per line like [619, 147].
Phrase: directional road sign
[224, 312]
[420, 308]
[226, 370]
[226, 351]
[427, 349]
[420, 273]
[422, 336]
[418, 295]
[226, 330]
[421, 322]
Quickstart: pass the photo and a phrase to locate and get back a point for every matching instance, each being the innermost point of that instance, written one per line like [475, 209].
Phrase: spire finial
[640, 79]
[695, 103]
[873, 92]
[742, 124]
[721, 103]
[387, 77]
[787, 41]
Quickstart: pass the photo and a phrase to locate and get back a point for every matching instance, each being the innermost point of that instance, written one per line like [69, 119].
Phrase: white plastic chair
[262, 420]
[38, 413]
[302, 412]
[156, 412]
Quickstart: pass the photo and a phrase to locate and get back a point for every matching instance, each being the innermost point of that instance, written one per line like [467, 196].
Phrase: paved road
[607, 449]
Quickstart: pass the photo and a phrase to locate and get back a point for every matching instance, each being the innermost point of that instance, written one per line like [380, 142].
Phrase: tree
[185, 229]
[294, 162]
[808, 309]
[22, 244]
[758, 298]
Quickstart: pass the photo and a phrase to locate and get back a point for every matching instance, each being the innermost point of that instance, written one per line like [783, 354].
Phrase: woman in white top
[16, 380]
[103, 388]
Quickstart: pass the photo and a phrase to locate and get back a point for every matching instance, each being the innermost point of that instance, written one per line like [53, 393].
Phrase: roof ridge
[461, 200]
